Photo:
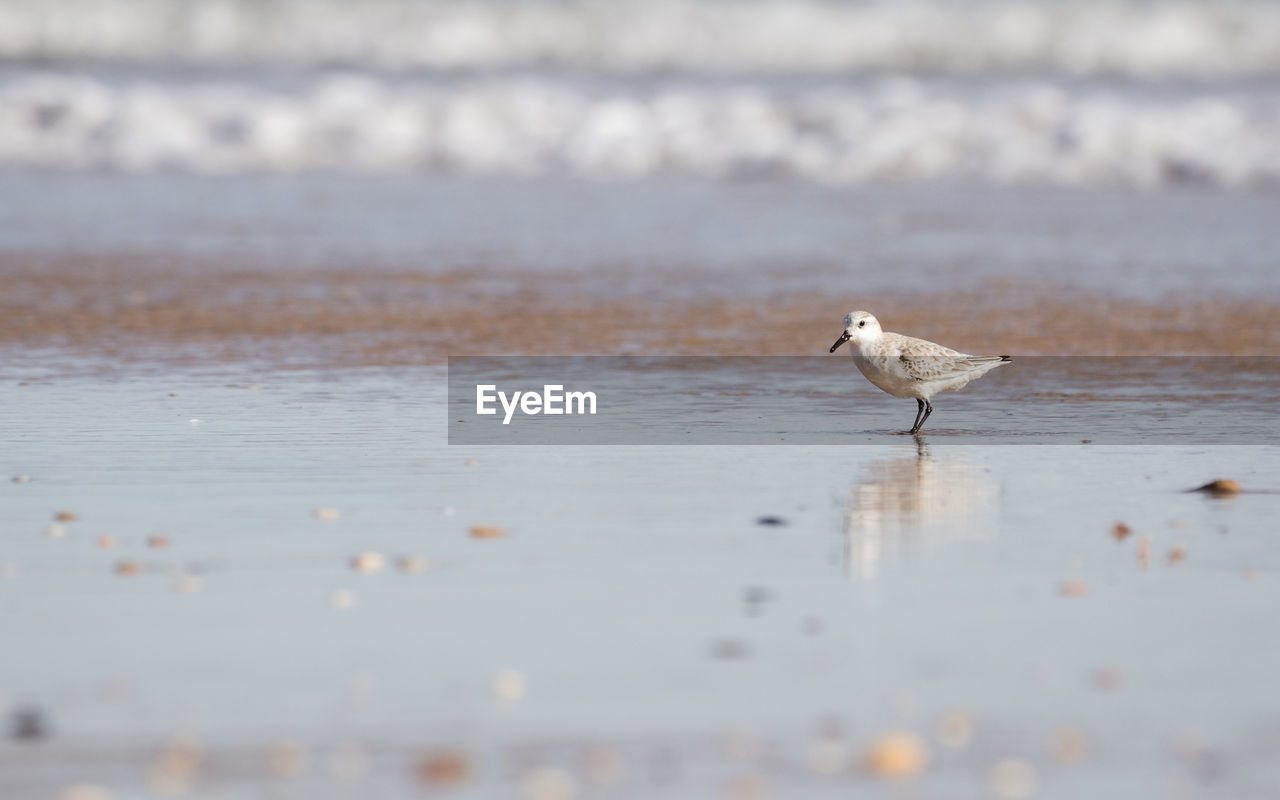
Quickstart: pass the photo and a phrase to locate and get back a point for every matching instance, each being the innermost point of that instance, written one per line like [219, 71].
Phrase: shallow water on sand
[754, 238]
[662, 631]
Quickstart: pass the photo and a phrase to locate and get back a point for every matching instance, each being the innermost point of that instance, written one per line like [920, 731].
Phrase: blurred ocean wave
[1178, 38]
[1009, 131]
[1074, 93]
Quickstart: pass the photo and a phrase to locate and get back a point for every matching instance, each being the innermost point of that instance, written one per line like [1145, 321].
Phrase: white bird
[905, 366]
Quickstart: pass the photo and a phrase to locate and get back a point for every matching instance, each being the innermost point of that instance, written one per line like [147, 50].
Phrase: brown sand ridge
[128, 309]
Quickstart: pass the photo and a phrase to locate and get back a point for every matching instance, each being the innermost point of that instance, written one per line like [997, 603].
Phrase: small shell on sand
[286, 759]
[413, 564]
[509, 684]
[1068, 745]
[443, 768]
[1120, 531]
[349, 762]
[368, 562]
[175, 767]
[603, 767]
[55, 530]
[342, 599]
[747, 787]
[895, 755]
[128, 568]
[487, 532]
[1108, 679]
[1177, 555]
[65, 516]
[548, 783]
[1073, 588]
[1012, 779]
[189, 584]
[105, 542]
[1222, 487]
[325, 513]
[157, 540]
[954, 729]
[85, 791]
[828, 756]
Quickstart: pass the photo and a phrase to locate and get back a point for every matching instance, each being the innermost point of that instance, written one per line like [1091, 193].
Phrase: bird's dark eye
[861, 324]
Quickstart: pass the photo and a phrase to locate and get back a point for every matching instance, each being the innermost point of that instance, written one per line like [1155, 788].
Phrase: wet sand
[665, 640]
[275, 577]
[139, 308]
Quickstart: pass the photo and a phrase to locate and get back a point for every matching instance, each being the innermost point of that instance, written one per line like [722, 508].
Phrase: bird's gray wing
[941, 367]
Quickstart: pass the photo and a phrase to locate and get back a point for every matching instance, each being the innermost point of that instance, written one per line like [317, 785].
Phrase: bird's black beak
[844, 337]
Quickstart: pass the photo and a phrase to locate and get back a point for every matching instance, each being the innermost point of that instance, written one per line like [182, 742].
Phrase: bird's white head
[859, 327]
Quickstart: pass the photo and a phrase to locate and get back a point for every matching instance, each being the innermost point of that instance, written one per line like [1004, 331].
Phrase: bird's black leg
[928, 409]
[915, 426]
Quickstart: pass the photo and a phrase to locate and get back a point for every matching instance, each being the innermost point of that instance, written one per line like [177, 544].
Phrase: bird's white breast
[887, 374]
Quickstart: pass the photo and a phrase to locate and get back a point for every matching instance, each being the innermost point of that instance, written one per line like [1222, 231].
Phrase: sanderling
[905, 366]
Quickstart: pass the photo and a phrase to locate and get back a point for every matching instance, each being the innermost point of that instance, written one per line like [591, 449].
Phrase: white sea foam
[891, 129]
[1133, 37]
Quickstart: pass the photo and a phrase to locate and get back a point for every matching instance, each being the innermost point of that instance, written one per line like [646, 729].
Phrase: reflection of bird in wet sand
[905, 366]
[901, 496]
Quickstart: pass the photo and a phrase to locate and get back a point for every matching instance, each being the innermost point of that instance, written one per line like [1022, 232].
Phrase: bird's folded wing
[944, 367]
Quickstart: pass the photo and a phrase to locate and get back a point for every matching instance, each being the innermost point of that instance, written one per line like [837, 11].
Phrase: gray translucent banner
[626, 400]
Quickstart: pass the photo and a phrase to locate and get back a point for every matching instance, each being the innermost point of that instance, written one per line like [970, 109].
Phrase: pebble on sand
[368, 562]
[954, 729]
[157, 540]
[342, 599]
[603, 766]
[175, 768]
[1108, 679]
[509, 684]
[29, 724]
[895, 755]
[21, 479]
[1222, 487]
[85, 791]
[443, 768]
[547, 783]
[1068, 745]
[55, 530]
[189, 584]
[65, 516]
[349, 762]
[747, 787]
[1120, 531]
[1073, 588]
[486, 532]
[286, 759]
[105, 542]
[413, 564]
[1012, 779]
[731, 650]
[325, 513]
[1144, 551]
[828, 755]
[1177, 555]
[770, 521]
[128, 568]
